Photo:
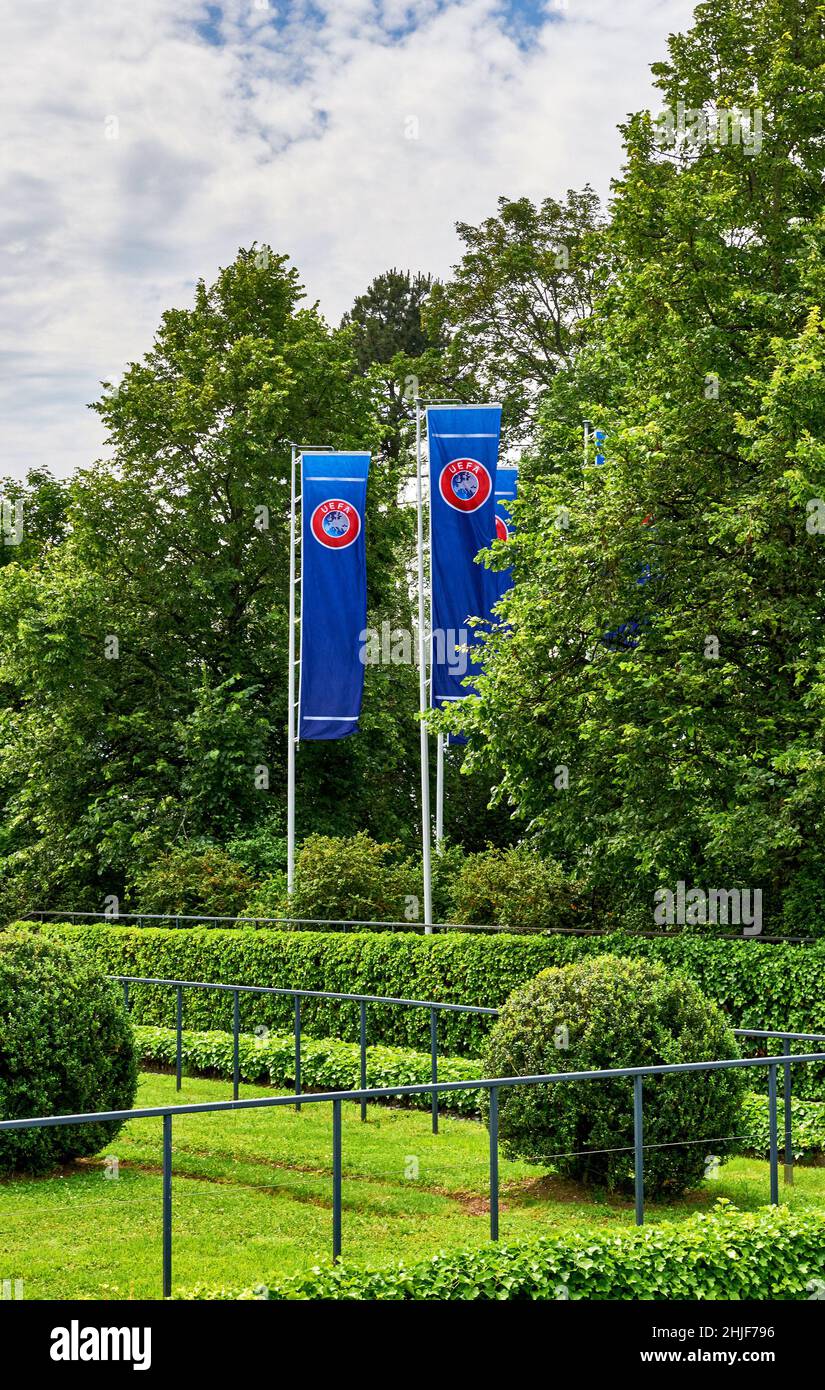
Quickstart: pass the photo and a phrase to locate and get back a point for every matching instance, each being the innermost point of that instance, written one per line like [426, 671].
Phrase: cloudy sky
[145, 140]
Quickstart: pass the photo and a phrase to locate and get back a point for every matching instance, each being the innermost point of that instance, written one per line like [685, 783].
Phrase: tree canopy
[650, 702]
[693, 743]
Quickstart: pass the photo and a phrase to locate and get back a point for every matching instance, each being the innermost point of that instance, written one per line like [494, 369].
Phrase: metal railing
[363, 1000]
[491, 1084]
[347, 923]
[435, 1007]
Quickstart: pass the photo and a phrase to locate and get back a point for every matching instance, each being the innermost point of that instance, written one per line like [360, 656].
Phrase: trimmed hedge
[326, 1064]
[612, 1012]
[774, 1254]
[66, 1047]
[330, 1065]
[758, 986]
[807, 1128]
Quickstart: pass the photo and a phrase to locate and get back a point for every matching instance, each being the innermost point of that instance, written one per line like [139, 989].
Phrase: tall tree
[655, 708]
[143, 659]
[520, 299]
[392, 345]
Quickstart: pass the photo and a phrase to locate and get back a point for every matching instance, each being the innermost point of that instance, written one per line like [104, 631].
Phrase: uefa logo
[465, 485]
[502, 529]
[335, 524]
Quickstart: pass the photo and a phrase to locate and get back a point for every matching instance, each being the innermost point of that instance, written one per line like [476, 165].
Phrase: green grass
[252, 1198]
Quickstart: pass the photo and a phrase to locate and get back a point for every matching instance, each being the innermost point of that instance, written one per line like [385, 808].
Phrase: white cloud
[145, 142]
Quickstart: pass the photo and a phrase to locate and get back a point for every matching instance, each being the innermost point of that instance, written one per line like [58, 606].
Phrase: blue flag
[333, 593]
[500, 581]
[463, 446]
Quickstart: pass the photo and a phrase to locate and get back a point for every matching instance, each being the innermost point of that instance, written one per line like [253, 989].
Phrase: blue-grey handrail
[310, 994]
[491, 1084]
[404, 925]
[434, 1006]
[481, 1083]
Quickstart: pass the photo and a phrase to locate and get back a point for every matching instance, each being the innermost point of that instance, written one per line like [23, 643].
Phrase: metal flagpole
[439, 794]
[441, 742]
[290, 757]
[292, 736]
[422, 688]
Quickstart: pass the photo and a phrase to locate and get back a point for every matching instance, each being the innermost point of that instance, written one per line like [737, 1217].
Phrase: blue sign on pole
[333, 593]
[463, 448]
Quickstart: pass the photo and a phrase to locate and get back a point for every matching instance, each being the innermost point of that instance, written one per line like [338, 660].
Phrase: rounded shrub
[190, 879]
[351, 878]
[615, 1012]
[516, 888]
[66, 1046]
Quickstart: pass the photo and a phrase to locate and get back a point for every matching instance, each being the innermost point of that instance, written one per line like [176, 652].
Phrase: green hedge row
[759, 986]
[330, 1065]
[773, 1254]
[326, 1064]
[807, 1128]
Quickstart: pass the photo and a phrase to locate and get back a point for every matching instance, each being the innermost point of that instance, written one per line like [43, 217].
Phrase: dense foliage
[758, 986]
[651, 706]
[66, 1047]
[692, 740]
[190, 880]
[601, 1014]
[353, 879]
[772, 1254]
[514, 888]
[327, 1064]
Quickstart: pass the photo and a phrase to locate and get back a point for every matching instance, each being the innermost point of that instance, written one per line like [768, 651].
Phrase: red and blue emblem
[336, 524]
[465, 485]
[502, 529]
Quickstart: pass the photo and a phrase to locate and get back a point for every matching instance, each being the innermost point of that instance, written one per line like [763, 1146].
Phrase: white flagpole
[439, 794]
[292, 734]
[422, 688]
[290, 757]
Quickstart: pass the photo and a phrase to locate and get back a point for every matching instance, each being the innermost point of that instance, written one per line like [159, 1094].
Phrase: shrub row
[773, 1254]
[330, 1065]
[65, 1047]
[326, 1064]
[758, 986]
[807, 1127]
[355, 877]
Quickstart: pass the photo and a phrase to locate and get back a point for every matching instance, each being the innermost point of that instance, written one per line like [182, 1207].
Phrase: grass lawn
[252, 1198]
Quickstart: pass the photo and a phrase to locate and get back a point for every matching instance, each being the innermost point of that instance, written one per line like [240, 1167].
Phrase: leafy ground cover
[252, 1198]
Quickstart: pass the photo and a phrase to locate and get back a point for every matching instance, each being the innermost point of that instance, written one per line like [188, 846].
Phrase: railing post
[167, 1206]
[297, 1049]
[179, 1040]
[786, 1048]
[494, 1162]
[638, 1151]
[336, 1180]
[126, 995]
[236, 1040]
[434, 1064]
[363, 1056]
[774, 1139]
